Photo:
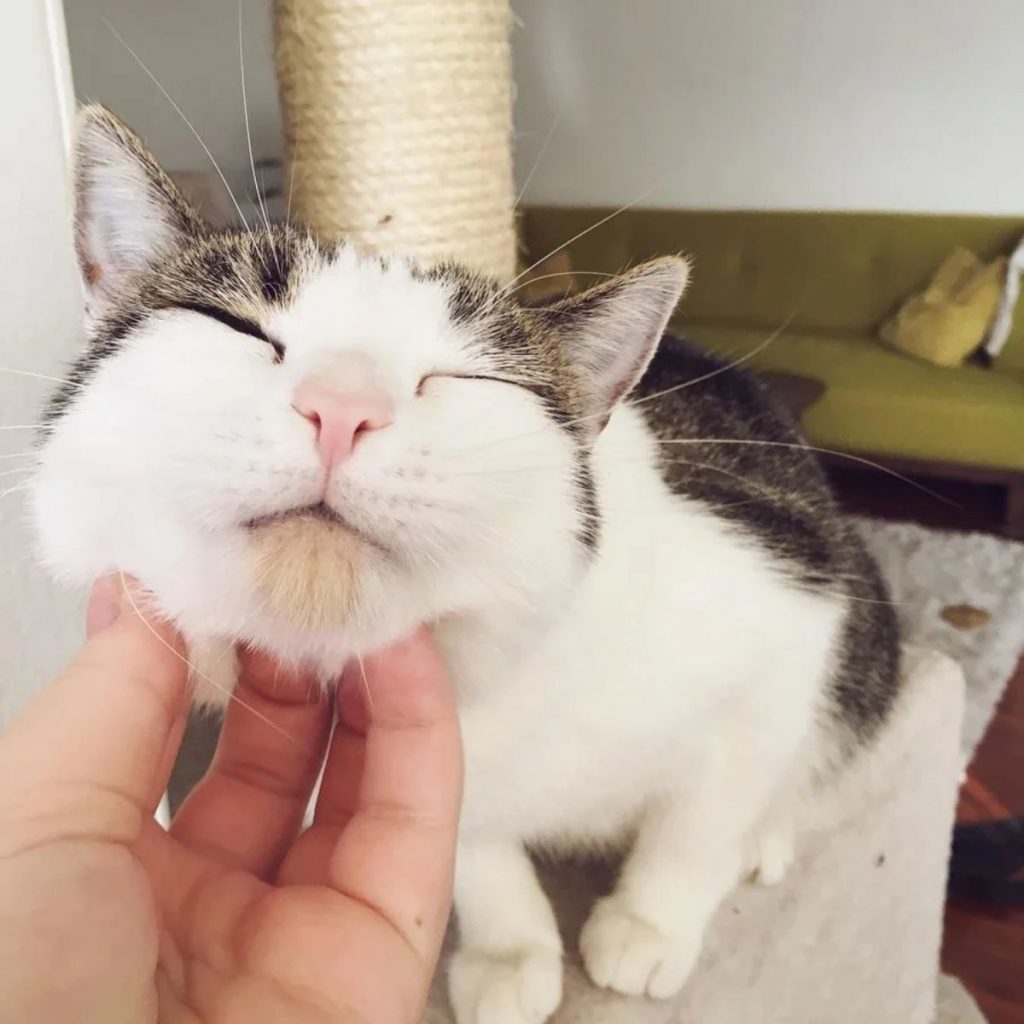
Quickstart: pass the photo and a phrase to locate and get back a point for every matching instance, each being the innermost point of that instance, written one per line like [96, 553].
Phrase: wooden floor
[983, 946]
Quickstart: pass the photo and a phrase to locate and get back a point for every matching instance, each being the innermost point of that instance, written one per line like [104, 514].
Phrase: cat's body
[657, 641]
[707, 675]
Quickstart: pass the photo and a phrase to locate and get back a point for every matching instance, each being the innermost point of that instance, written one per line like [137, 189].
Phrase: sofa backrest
[817, 272]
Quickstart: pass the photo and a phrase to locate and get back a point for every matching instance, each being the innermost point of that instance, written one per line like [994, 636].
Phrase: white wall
[40, 306]
[886, 104]
[858, 104]
[192, 49]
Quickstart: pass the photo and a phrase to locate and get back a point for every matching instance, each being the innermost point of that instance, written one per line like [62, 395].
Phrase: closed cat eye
[463, 376]
[237, 323]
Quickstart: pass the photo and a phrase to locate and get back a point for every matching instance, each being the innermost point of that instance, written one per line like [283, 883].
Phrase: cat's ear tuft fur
[128, 212]
[611, 331]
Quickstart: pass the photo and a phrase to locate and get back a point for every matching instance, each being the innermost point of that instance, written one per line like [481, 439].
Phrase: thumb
[85, 756]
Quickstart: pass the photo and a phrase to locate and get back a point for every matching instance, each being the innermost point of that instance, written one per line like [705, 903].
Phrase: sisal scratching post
[398, 125]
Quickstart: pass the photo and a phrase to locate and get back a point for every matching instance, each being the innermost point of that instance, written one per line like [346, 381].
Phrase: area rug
[962, 594]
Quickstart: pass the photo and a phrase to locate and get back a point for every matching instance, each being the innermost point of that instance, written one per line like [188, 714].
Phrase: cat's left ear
[612, 331]
[128, 212]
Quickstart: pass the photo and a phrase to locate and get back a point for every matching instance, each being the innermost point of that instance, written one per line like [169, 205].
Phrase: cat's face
[300, 445]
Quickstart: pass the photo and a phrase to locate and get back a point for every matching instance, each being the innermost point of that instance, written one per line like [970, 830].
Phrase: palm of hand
[228, 918]
[302, 951]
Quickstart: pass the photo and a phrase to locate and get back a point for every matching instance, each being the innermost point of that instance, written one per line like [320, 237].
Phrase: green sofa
[818, 285]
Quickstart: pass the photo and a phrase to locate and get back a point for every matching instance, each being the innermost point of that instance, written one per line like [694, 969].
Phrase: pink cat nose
[341, 417]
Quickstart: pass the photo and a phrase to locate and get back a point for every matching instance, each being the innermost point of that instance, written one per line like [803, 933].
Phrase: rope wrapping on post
[398, 125]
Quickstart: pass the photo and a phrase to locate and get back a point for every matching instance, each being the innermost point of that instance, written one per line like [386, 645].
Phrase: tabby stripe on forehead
[276, 274]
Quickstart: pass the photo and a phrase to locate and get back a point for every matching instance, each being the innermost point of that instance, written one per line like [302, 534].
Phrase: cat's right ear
[128, 212]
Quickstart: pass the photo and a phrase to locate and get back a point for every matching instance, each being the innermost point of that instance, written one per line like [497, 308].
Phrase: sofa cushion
[948, 320]
[880, 402]
[824, 273]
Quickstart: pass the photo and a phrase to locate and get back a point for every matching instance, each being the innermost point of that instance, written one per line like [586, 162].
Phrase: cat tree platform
[852, 934]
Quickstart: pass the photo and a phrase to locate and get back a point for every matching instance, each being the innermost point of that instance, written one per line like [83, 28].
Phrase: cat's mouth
[320, 512]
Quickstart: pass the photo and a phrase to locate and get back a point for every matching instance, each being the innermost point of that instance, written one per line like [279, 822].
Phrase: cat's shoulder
[685, 382]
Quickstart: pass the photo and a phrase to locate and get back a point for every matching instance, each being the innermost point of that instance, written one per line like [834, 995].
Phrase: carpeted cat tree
[398, 124]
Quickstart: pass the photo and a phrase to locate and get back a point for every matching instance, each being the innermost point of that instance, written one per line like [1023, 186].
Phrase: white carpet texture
[851, 935]
[933, 570]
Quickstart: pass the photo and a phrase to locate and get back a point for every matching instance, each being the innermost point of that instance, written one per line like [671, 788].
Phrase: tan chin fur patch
[304, 569]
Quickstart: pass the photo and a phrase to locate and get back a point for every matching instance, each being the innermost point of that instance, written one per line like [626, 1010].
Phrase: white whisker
[230, 649]
[206, 149]
[248, 139]
[366, 684]
[575, 238]
[231, 695]
[291, 182]
[36, 376]
[552, 468]
[16, 488]
[564, 273]
[423, 552]
[683, 385]
[743, 481]
[18, 469]
[746, 357]
[536, 163]
[821, 451]
[475, 448]
[577, 421]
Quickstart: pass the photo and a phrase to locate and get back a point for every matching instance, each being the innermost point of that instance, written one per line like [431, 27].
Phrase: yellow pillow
[946, 322]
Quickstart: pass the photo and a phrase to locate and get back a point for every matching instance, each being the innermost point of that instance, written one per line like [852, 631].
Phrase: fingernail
[104, 605]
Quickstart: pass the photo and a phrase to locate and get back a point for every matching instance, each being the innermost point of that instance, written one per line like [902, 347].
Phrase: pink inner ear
[613, 329]
[625, 374]
[92, 273]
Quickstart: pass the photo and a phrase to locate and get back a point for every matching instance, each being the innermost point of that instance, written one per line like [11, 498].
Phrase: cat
[663, 634]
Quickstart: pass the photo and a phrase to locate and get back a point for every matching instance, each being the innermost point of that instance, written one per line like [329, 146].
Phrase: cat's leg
[508, 966]
[691, 849]
[213, 671]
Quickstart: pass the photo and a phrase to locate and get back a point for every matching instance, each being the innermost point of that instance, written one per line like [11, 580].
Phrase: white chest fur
[681, 633]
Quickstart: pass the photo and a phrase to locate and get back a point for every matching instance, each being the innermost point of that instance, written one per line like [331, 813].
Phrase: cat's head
[294, 442]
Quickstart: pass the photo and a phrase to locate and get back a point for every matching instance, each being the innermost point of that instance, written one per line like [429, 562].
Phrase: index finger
[91, 746]
[387, 817]
[248, 807]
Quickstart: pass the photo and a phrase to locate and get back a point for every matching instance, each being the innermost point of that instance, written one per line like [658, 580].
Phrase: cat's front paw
[627, 954]
[521, 986]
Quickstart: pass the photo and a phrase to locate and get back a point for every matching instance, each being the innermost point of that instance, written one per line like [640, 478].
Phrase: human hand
[228, 918]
